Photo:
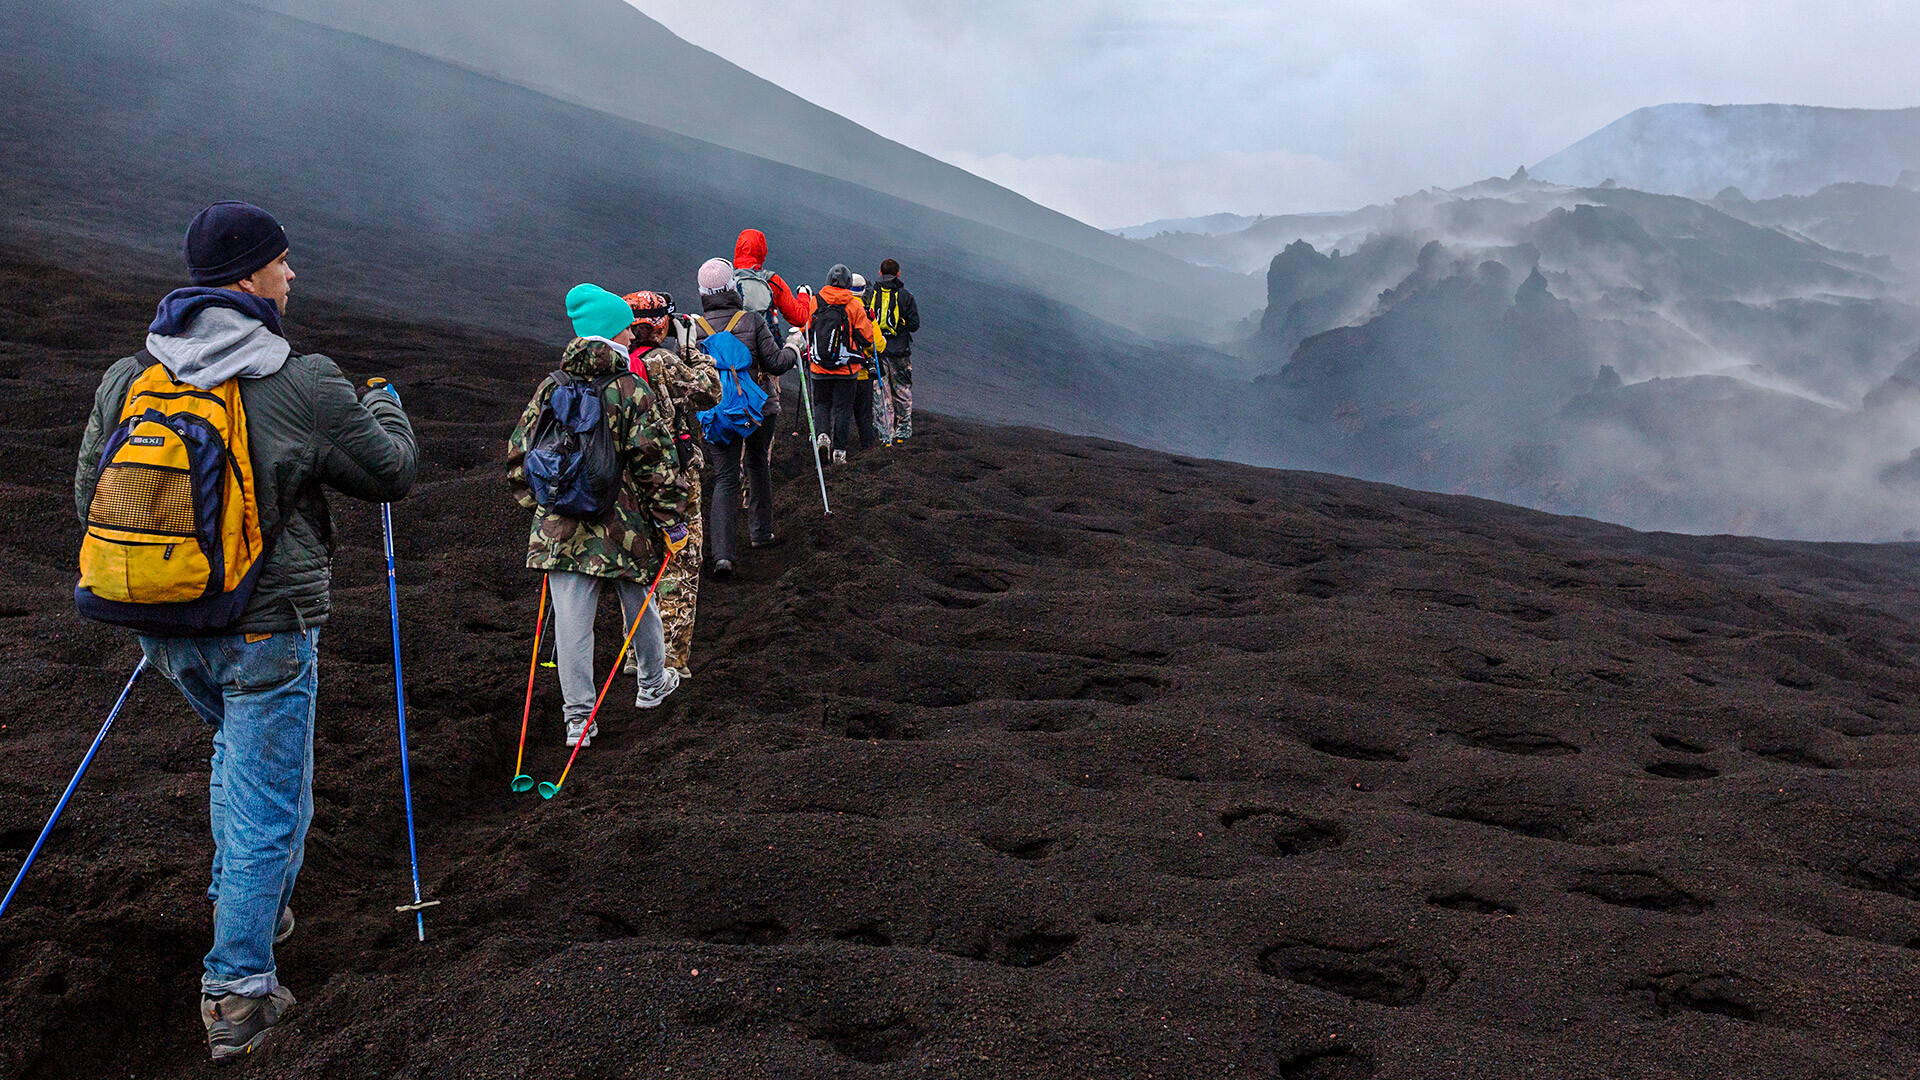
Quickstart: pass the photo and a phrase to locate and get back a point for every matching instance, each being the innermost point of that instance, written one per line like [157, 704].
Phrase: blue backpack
[572, 463]
[742, 402]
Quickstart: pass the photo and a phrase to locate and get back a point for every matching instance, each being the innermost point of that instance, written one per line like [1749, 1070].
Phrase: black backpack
[572, 465]
[835, 343]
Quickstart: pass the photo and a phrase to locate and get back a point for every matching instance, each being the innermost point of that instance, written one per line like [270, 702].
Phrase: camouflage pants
[893, 405]
[680, 589]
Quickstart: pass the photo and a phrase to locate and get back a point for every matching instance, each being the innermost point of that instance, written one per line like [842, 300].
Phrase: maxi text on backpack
[572, 464]
[742, 401]
[173, 544]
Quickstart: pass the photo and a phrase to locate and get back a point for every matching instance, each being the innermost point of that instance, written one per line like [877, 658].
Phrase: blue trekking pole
[72, 785]
[400, 697]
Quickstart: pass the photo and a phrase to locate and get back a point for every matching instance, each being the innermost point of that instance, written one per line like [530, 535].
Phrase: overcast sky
[1122, 111]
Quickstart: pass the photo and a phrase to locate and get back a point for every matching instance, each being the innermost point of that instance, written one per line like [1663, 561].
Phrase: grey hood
[220, 344]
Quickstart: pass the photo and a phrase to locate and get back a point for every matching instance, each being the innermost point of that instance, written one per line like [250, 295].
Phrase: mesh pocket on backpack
[144, 499]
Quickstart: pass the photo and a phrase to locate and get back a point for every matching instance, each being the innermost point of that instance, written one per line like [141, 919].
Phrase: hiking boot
[769, 542]
[650, 697]
[722, 569]
[839, 457]
[823, 443]
[573, 733]
[236, 1026]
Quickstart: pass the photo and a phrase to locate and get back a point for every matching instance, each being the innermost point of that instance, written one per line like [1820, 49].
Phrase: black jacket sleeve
[760, 342]
[909, 312]
[784, 359]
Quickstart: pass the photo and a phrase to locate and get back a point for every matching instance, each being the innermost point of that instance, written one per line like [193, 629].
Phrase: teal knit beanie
[596, 312]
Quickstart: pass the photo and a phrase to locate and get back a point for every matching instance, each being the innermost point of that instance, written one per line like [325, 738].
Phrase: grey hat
[839, 277]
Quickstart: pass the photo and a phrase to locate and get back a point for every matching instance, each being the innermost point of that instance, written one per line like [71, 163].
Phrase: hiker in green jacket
[628, 546]
[256, 683]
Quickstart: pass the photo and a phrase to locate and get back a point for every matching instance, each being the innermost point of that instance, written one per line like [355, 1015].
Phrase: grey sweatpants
[575, 600]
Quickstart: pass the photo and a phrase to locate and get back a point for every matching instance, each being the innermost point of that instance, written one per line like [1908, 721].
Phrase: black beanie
[230, 241]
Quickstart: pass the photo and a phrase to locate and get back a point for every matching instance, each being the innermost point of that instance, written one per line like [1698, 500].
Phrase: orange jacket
[856, 318]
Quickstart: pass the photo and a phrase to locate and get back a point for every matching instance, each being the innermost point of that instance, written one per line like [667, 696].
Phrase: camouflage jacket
[653, 494]
[684, 384]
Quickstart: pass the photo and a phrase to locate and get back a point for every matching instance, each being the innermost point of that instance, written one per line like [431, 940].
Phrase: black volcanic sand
[1044, 757]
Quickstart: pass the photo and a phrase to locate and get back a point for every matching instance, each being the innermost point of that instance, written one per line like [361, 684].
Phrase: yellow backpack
[886, 310]
[174, 544]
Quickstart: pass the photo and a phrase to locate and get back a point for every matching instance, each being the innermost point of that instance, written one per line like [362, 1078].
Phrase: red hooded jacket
[750, 253]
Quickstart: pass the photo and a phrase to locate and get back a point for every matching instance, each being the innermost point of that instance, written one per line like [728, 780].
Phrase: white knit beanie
[715, 276]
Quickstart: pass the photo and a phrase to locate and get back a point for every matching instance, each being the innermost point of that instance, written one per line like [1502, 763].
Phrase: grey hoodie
[221, 344]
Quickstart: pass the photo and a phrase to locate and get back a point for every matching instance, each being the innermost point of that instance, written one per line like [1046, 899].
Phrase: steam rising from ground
[1644, 359]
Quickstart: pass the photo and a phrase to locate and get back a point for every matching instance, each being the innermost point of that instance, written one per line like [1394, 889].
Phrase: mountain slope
[1044, 757]
[607, 55]
[426, 190]
[1764, 150]
[1873, 219]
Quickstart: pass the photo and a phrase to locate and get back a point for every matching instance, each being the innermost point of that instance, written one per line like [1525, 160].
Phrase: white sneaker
[823, 443]
[650, 697]
[839, 457]
[573, 733]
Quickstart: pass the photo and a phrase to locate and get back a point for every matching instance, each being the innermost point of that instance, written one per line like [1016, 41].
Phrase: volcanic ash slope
[1043, 757]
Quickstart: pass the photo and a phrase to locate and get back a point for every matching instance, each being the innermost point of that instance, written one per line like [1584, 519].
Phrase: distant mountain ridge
[1723, 153]
[608, 55]
[1210, 225]
[1764, 150]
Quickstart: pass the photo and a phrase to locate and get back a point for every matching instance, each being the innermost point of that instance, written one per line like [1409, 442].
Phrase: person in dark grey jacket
[256, 684]
[753, 454]
[896, 312]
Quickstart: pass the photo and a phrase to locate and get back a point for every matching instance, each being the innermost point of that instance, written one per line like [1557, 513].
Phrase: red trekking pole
[521, 781]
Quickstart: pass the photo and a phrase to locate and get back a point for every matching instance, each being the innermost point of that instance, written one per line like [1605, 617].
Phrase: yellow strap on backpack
[706, 328]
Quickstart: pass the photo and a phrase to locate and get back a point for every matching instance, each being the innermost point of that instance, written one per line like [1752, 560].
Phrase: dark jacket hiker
[897, 314]
[752, 455]
[894, 310]
[255, 681]
[309, 431]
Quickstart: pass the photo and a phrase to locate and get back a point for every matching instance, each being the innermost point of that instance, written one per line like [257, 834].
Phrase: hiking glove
[376, 385]
[676, 538]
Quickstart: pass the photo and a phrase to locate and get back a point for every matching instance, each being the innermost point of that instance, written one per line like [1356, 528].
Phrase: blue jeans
[259, 696]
